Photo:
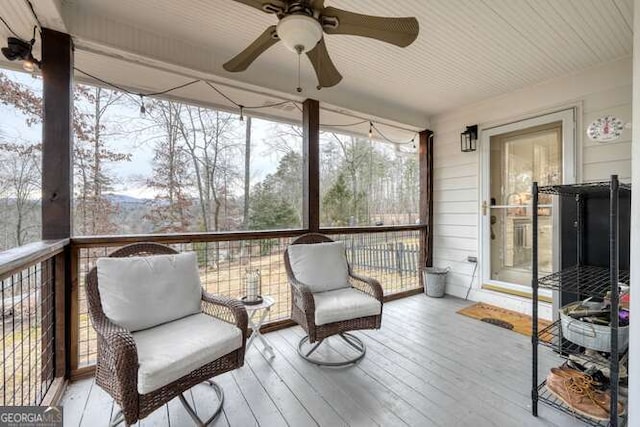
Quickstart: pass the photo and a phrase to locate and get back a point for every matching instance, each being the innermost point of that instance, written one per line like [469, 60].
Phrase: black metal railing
[391, 256]
[28, 282]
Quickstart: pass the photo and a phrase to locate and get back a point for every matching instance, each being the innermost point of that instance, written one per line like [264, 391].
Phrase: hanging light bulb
[143, 110]
[242, 113]
[370, 130]
[29, 64]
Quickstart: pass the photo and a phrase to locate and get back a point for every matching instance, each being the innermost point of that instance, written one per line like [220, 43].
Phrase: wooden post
[426, 199]
[311, 154]
[57, 134]
[57, 175]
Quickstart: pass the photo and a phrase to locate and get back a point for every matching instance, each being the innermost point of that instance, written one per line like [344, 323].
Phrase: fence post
[399, 256]
[387, 257]
[352, 249]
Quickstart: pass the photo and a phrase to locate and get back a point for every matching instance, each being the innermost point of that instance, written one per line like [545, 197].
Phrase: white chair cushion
[143, 292]
[344, 304]
[320, 266]
[170, 351]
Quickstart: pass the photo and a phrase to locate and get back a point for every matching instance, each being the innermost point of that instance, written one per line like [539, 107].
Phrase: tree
[170, 211]
[338, 203]
[269, 210]
[274, 200]
[358, 165]
[210, 138]
[94, 212]
[20, 175]
[287, 182]
[247, 172]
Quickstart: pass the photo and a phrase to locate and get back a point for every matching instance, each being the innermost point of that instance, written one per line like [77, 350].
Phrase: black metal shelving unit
[582, 281]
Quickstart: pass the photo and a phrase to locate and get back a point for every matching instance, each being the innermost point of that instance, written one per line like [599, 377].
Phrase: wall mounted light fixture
[469, 139]
[22, 50]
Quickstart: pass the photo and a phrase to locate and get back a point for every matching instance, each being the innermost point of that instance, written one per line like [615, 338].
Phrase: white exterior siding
[602, 90]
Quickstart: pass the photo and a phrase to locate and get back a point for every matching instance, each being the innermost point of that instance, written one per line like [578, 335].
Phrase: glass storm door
[516, 160]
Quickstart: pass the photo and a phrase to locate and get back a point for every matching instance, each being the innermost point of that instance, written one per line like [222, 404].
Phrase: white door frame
[569, 170]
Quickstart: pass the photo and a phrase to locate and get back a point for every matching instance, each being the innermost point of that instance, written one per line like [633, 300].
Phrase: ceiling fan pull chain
[299, 88]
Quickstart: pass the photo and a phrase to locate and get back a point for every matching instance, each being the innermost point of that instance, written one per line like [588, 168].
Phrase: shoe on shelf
[600, 381]
[594, 360]
[576, 390]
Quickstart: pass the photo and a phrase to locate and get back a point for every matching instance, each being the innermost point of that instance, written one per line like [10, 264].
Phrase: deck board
[427, 366]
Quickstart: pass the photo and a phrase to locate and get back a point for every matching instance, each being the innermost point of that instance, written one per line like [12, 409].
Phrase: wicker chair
[118, 356]
[305, 300]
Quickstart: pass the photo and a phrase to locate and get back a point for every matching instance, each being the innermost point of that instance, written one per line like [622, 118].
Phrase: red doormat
[508, 319]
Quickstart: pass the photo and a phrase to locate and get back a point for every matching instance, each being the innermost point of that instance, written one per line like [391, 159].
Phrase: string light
[383, 136]
[239, 106]
[242, 108]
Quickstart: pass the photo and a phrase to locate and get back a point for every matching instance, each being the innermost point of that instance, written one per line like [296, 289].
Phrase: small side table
[265, 307]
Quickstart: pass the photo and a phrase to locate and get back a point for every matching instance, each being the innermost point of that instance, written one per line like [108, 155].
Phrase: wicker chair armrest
[109, 331]
[227, 309]
[367, 285]
[120, 348]
[118, 354]
[302, 297]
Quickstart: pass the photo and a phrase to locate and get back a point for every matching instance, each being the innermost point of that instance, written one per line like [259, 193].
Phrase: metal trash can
[435, 281]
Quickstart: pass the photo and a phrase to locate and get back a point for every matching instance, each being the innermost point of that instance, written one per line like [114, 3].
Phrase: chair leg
[117, 419]
[192, 413]
[353, 341]
[314, 348]
[357, 344]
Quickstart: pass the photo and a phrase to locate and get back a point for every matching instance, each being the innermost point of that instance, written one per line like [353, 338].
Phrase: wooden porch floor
[427, 366]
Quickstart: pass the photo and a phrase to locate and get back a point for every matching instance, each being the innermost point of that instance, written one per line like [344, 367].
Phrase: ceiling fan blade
[272, 5]
[327, 73]
[398, 31]
[241, 61]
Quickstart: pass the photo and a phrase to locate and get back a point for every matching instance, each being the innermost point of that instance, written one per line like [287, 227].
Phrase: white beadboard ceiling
[467, 50]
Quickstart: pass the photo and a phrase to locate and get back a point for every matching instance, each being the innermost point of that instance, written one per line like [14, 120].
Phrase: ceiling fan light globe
[299, 33]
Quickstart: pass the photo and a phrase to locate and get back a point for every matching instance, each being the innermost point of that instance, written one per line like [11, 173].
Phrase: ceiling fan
[301, 24]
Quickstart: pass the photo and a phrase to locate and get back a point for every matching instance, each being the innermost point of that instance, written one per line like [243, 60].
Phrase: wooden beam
[57, 134]
[14, 260]
[311, 150]
[403, 294]
[426, 199]
[54, 395]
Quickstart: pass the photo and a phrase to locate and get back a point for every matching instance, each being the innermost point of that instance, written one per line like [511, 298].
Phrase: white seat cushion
[320, 266]
[143, 292]
[172, 350]
[344, 304]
